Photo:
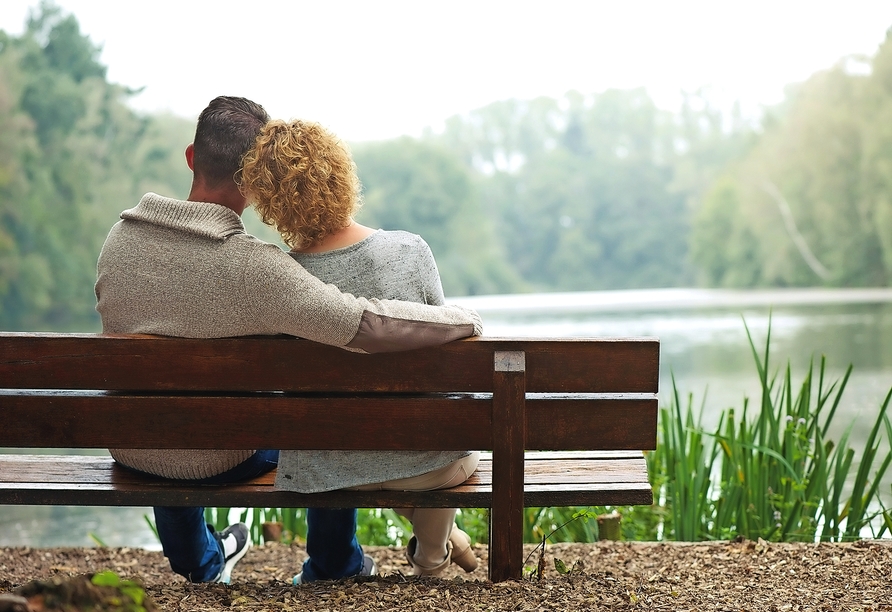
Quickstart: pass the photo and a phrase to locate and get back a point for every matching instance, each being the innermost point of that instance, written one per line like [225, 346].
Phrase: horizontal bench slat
[581, 474]
[87, 470]
[127, 421]
[92, 480]
[617, 494]
[573, 455]
[617, 423]
[429, 422]
[85, 361]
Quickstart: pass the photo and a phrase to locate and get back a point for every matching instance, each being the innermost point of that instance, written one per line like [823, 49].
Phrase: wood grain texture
[509, 436]
[589, 405]
[574, 479]
[280, 363]
[57, 419]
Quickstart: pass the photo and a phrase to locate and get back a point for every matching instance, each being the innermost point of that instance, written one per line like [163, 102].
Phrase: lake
[703, 344]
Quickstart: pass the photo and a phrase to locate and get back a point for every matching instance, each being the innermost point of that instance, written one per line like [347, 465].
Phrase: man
[187, 268]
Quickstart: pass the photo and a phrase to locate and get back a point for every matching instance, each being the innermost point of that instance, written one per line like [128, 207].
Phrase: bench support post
[509, 438]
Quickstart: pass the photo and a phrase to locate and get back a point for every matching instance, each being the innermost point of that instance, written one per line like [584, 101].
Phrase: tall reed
[771, 474]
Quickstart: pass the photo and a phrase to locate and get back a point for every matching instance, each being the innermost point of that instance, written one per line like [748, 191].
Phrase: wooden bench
[589, 404]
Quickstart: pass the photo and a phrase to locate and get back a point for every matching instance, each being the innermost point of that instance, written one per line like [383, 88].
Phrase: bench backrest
[99, 391]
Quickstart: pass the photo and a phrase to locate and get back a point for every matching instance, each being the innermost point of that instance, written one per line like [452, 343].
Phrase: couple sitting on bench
[189, 269]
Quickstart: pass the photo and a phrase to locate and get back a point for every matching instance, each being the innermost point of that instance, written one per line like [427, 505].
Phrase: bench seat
[551, 479]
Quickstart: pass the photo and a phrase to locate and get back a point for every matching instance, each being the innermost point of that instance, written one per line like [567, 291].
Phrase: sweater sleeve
[283, 297]
[431, 285]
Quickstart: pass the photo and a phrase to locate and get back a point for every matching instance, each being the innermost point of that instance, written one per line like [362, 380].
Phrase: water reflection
[49, 526]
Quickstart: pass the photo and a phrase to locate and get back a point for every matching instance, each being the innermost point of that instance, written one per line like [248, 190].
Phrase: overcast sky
[378, 69]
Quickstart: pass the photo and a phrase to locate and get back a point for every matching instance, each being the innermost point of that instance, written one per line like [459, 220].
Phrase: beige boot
[423, 570]
[462, 553]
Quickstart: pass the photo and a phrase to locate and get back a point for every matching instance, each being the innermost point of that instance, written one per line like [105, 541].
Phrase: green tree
[580, 188]
[722, 242]
[425, 189]
[72, 157]
[810, 197]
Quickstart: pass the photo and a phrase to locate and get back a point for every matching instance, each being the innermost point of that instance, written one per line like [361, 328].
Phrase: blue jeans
[194, 553]
[188, 542]
[333, 549]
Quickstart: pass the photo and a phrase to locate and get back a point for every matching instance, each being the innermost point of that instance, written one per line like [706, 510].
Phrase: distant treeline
[585, 192]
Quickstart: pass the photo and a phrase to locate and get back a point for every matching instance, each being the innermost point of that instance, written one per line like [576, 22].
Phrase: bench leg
[509, 436]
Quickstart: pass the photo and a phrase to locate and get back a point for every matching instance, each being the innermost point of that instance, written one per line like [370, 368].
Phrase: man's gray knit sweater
[188, 269]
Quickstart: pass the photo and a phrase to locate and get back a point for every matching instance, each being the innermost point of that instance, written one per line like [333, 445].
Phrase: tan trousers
[431, 526]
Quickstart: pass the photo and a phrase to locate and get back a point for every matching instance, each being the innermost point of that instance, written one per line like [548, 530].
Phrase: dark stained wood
[589, 405]
[428, 422]
[509, 435]
[591, 422]
[261, 421]
[280, 363]
[96, 481]
[595, 466]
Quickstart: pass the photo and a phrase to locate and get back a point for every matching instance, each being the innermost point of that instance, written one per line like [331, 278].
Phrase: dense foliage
[810, 203]
[583, 192]
[72, 156]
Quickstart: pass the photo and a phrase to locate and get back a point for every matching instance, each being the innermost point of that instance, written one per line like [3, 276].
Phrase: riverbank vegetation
[587, 191]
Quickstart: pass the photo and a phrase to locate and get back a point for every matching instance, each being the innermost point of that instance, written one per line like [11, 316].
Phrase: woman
[302, 181]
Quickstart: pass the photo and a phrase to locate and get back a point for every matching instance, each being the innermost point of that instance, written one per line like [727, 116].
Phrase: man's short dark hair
[226, 130]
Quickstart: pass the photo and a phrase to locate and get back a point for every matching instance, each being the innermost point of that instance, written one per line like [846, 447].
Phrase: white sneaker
[235, 542]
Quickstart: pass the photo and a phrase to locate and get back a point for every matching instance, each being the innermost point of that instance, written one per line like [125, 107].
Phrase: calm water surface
[703, 343]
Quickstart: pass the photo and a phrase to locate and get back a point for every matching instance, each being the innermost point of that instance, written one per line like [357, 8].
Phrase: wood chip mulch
[774, 577]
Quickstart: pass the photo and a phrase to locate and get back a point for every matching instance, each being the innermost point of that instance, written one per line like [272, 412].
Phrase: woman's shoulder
[400, 238]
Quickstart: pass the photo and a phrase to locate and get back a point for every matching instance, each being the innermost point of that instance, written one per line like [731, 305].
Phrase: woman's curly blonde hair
[301, 180]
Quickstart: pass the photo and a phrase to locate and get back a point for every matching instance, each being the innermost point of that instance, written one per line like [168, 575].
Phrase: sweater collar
[202, 218]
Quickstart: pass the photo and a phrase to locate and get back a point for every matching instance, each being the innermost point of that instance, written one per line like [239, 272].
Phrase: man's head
[226, 130]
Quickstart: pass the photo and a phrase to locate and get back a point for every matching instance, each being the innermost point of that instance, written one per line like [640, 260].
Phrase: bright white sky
[377, 69]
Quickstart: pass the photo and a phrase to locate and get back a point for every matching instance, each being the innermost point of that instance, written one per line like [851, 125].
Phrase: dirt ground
[605, 576]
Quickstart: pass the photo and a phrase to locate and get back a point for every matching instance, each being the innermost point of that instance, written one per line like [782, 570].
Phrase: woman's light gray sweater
[388, 265]
[188, 269]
